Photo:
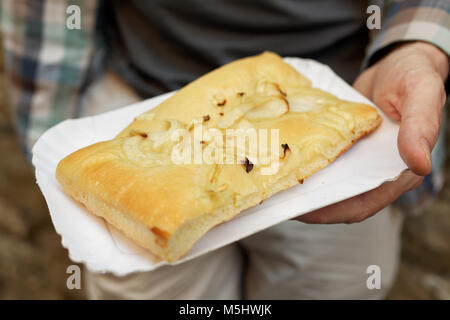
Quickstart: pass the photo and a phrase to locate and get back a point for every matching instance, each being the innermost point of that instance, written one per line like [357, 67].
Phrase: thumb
[421, 116]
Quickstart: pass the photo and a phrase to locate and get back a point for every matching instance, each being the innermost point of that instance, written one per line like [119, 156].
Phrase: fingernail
[426, 150]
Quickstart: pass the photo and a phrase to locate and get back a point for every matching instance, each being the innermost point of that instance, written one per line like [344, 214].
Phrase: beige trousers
[292, 260]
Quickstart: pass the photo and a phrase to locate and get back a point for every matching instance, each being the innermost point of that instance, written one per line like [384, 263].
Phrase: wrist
[438, 58]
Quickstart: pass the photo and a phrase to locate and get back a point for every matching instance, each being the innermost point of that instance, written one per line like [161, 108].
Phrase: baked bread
[134, 183]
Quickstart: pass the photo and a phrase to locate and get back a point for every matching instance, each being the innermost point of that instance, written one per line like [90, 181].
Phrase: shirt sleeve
[413, 20]
[46, 62]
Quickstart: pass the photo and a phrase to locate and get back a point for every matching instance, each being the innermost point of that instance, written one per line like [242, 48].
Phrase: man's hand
[408, 85]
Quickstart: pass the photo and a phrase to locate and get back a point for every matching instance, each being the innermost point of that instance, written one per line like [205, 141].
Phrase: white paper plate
[92, 241]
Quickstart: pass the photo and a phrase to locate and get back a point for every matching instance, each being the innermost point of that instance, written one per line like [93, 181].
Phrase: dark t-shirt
[160, 45]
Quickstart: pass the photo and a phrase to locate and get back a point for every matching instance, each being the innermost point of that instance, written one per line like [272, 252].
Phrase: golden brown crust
[165, 207]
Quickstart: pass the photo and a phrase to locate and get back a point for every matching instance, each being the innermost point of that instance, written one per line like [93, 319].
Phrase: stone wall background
[33, 263]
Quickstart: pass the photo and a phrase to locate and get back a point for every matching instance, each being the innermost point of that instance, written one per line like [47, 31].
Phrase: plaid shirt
[48, 64]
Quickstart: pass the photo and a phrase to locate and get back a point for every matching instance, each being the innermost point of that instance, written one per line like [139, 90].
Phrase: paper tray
[102, 248]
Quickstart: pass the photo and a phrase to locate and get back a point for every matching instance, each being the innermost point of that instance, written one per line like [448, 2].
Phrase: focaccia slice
[133, 182]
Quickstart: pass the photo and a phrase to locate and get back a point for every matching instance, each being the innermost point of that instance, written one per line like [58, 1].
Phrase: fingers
[365, 205]
[421, 116]
[408, 86]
